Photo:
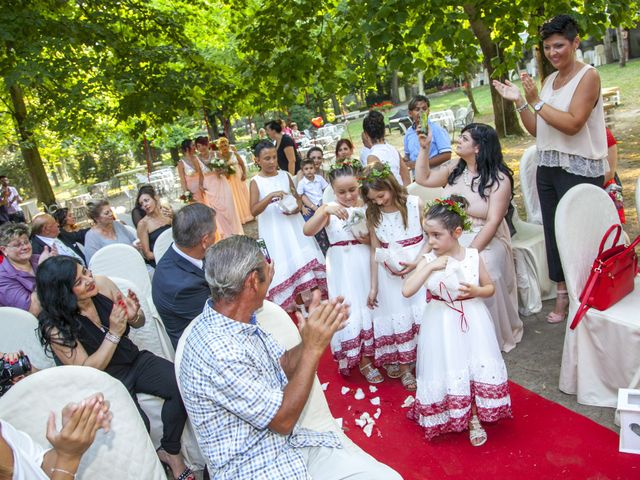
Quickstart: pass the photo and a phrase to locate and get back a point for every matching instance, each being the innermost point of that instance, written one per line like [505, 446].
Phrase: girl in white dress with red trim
[462, 378]
[348, 268]
[299, 264]
[397, 243]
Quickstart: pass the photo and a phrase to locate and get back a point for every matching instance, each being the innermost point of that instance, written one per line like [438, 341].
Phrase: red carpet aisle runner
[544, 440]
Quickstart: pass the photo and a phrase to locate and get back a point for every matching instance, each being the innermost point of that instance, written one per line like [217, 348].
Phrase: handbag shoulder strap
[605, 237]
[582, 309]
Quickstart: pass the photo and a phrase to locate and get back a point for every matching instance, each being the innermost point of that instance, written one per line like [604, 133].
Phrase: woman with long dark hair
[288, 156]
[85, 321]
[154, 222]
[486, 182]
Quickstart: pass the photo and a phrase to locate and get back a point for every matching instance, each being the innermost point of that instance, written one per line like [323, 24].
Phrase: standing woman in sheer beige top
[567, 119]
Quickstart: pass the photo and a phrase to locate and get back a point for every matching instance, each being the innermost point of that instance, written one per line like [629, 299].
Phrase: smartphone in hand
[424, 123]
[263, 248]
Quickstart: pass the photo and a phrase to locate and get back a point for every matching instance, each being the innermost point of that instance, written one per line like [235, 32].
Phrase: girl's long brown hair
[372, 182]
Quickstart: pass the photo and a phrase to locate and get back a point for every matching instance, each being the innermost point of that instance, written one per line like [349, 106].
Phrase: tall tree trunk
[175, 155]
[212, 124]
[469, 92]
[395, 95]
[622, 46]
[29, 148]
[504, 112]
[228, 130]
[608, 50]
[336, 106]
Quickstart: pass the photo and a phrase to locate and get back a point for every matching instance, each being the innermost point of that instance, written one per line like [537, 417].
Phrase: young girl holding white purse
[462, 378]
[397, 243]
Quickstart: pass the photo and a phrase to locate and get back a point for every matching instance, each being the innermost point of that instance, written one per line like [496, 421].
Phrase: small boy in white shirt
[310, 188]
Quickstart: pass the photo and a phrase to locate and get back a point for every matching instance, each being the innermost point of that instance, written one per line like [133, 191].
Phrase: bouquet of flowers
[222, 167]
[187, 197]
[357, 222]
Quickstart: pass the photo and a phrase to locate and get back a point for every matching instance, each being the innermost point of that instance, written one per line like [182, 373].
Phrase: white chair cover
[19, 331]
[124, 261]
[316, 414]
[125, 452]
[152, 336]
[532, 272]
[425, 193]
[132, 230]
[528, 168]
[601, 354]
[163, 242]
[638, 200]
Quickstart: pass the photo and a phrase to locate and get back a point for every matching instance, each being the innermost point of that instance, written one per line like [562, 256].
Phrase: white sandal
[477, 434]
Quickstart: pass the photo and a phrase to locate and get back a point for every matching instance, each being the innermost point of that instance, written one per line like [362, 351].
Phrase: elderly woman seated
[105, 231]
[86, 321]
[18, 268]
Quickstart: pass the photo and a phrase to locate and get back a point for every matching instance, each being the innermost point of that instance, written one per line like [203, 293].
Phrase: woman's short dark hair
[314, 149]
[262, 145]
[54, 283]
[94, 208]
[564, 25]
[186, 145]
[60, 216]
[274, 125]
[344, 141]
[373, 125]
[202, 140]
[145, 190]
[489, 161]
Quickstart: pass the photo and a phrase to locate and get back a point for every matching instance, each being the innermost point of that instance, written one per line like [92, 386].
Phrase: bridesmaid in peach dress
[189, 171]
[217, 193]
[237, 181]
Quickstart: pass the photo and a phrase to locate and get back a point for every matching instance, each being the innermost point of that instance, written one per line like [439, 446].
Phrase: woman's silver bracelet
[112, 338]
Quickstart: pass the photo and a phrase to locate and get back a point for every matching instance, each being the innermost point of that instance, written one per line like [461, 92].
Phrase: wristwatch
[538, 106]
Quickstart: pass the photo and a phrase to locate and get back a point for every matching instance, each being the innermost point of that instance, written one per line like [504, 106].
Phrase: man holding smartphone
[440, 150]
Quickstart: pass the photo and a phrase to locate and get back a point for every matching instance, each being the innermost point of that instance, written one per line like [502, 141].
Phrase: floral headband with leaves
[454, 207]
[375, 174]
[346, 162]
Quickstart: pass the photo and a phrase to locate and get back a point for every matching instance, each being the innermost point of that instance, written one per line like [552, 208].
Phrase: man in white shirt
[44, 234]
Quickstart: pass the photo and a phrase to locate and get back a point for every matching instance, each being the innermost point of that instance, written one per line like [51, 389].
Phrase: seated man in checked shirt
[244, 393]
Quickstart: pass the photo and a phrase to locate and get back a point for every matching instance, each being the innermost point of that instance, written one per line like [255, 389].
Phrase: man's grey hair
[228, 263]
[11, 231]
[191, 223]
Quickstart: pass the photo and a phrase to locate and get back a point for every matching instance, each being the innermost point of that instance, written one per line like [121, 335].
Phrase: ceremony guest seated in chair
[155, 221]
[70, 232]
[86, 320]
[45, 232]
[245, 393]
[179, 287]
[23, 459]
[106, 230]
[18, 269]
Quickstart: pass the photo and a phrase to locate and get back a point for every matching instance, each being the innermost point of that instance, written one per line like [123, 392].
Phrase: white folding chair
[125, 452]
[426, 194]
[19, 331]
[328, 195]
[638, 200]
[152, 336]
[124, 261]
[528, 169]
[163, 242]
[601, 354]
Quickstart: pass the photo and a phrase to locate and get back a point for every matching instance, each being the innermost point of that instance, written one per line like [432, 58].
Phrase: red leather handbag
[612, 276]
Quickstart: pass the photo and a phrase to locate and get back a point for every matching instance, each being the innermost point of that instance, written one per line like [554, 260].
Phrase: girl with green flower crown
[397, 243]
[462, 378]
